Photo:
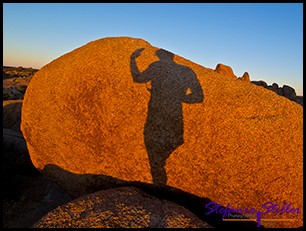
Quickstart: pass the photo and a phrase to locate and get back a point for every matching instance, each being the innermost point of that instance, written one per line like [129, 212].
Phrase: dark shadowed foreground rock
[91, 112]
[35, 197]
[126, 207]
[12, 114]
[15, 156]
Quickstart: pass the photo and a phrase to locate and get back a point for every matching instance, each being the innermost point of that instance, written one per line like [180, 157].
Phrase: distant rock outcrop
[18, 72]
[299, 99]
[285, 91]
[15, 81]
[289, 93]
[125, 207]
[225, 70]
[245, 77]
[91, 112]
[260, 83]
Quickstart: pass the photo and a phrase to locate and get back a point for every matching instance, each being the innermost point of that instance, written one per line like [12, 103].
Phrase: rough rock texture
[242, 145]
[12, 114]
[126, 207]
[245, 77]
[225, 70]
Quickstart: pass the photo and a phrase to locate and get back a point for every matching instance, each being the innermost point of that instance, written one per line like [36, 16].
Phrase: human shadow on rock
[171, 84]
[80, 184]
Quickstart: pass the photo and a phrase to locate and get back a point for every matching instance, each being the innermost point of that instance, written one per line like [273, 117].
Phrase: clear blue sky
[264, 39]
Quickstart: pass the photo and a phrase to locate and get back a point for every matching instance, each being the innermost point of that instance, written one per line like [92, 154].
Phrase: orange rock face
[245, 77]
[225, 70]
[114, 109]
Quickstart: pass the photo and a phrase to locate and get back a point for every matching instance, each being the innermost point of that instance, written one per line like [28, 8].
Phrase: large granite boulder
[125, 207]
[112, 108]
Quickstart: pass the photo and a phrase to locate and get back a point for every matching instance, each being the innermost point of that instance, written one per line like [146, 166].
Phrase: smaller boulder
[289, 92]
[125, 207]
[275, 86]
[280, 91]
[260, 83]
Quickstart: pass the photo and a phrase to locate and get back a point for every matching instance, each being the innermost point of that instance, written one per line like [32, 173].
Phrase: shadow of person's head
[164, 54]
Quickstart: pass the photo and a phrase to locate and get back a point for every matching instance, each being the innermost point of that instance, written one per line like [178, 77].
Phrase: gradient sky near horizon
[266, 40]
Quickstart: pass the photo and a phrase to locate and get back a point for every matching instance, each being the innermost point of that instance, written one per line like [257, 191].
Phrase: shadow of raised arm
[138, 77]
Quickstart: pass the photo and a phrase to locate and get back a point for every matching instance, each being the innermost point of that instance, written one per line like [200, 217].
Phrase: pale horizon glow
[266, 40]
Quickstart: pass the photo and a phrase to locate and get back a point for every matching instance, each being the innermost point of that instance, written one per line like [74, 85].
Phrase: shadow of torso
[164, 123]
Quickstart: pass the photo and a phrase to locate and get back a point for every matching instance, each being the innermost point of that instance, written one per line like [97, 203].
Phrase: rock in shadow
[12, 114]
[36, 196]
[195, 204]
[123, 207]
[27, 195]
[16, 161]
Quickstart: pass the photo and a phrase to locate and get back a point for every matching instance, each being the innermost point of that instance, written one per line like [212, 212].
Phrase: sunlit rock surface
[85, 113]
